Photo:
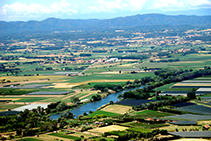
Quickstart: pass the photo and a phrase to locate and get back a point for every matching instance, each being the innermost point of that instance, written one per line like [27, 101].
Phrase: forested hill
[53, 24]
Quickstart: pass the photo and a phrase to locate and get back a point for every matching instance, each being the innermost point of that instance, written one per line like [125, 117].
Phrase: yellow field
[119, 109]
[109, 128]
[63, 85]
[112, 72]
[203, 122]
[70, 85]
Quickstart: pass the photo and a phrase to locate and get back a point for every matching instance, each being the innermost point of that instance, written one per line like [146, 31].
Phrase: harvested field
[189, 117]
[63, 85]
[113, 72]
[131, 102]
[204, 122]
[119, 109]
[196, 109]
[109, 128]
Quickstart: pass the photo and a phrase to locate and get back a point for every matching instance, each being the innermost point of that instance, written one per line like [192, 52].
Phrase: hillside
[53, 24]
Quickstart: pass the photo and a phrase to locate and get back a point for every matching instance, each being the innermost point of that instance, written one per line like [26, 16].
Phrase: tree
[75, 99]
[136, 81]
[96, 97]
[111, 102]
[62, 106]
[191, 95]
[128, 82]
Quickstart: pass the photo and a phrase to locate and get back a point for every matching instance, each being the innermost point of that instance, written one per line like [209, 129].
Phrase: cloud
[62, 8]
[136, 4]
[174, 5]
[34, 9]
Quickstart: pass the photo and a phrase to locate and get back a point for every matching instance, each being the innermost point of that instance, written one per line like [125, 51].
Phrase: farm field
[171, 128]
[119, 109]
[196, 134]
[143, 125]
[189, 117]
[123, 77]
[101, 112]
[134, 102]
[144, 112]
[165, 87]
[65, 71]
[109, 128]
[196, 109]
[4, 107]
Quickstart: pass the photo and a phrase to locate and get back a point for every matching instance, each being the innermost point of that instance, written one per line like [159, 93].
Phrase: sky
[25, 10]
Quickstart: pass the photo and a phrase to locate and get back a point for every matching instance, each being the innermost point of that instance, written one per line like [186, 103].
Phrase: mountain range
[54, 24]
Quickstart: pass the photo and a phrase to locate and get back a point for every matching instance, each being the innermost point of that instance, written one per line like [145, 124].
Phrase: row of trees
[156, 104]
[164, 77]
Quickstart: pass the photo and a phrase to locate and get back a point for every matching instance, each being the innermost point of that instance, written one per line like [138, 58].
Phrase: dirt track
[70, 96]
[85, 96]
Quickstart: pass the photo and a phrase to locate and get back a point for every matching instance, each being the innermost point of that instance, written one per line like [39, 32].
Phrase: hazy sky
[23, 10]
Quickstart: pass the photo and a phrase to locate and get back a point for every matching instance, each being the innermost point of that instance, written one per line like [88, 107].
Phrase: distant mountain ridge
[54, 24]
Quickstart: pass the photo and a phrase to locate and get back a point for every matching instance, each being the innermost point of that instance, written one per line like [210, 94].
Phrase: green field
[109, 114]
[64, 136]
[11, 91]
[144, 112]
[31, 99]
[109, 77]
[165, 87]
[9, 106]
[92, 84]
[141, 130]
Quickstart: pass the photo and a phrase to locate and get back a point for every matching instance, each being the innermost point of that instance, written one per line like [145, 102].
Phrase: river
[94, 105]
